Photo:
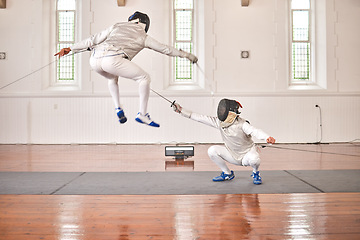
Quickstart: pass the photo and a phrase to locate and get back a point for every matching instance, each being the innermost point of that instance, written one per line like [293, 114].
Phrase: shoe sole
[152, 124]
[223, 180]
[123, 120]
[257, 183]
[121, 116]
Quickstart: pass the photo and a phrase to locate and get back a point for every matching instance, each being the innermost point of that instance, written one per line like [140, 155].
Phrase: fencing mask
[143, 18]
[228, 108]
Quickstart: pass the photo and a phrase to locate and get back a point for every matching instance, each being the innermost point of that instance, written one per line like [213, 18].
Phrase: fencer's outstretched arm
[153, 44]
[208, 120]
[214, 122]
[86, 43]
[92, 40]
[257, 133]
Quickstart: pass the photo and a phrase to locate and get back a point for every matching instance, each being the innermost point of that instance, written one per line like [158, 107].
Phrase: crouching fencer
[237, 135]
[112, 52]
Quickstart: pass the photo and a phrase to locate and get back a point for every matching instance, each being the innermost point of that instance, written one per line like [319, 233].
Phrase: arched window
[65, 31]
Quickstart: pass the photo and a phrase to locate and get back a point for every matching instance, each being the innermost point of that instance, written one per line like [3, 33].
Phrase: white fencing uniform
[239, 147]
[112, 52]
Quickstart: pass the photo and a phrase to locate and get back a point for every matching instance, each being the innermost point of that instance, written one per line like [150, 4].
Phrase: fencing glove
[183, 112]
[192, 58]
[177, 108]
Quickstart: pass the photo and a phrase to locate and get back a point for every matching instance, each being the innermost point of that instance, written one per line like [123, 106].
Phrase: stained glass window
[184, 20]
[300, 40]
[66, 16]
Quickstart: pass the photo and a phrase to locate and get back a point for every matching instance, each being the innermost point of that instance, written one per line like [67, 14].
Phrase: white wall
[34, 112]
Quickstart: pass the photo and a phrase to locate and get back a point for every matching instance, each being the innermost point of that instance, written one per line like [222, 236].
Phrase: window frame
[174, 80]
[311, 42]
[74, 81]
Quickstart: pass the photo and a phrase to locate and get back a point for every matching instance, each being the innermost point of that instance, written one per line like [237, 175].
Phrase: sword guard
[173, 103]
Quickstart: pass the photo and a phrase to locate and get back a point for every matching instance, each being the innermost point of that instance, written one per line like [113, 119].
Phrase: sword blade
[161, 96]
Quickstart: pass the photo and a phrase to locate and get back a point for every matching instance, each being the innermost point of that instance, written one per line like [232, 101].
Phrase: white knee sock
[114, 91]
[144, 92]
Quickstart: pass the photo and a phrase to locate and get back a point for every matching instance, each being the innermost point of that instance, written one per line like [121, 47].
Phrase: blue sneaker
[145, 119]
[121, 115]
[224, 177]
[257, 179]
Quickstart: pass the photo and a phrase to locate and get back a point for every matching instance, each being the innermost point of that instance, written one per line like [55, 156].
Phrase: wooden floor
[231, 216]
[141, 158]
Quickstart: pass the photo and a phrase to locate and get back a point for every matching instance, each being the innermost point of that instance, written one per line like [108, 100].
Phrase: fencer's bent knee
[252, 158]
[255, 161]
[212, 151]
[144, 79]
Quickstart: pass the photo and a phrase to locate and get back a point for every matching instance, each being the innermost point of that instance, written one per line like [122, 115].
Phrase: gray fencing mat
[180, 183]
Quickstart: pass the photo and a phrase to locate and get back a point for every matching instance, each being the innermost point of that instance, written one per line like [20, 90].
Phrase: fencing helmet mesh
[225, 106]
[143, 18]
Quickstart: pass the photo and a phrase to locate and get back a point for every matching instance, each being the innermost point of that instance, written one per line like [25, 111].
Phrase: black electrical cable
[320, 123]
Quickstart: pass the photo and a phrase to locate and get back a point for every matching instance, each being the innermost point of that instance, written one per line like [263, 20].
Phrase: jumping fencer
[237, 135]
[112, 52]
